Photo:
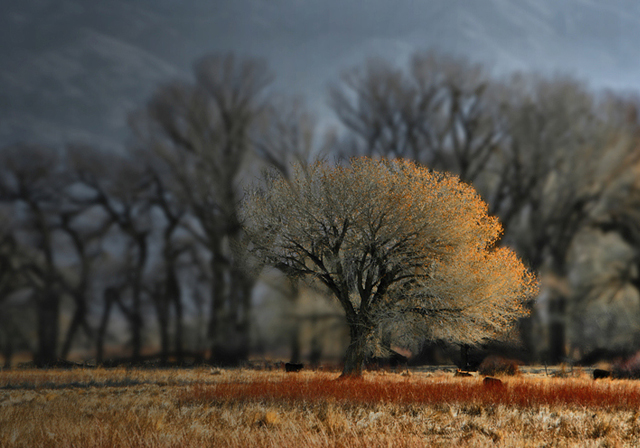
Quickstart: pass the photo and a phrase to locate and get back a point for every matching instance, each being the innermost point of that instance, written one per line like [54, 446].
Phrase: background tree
[15, 324]
[30, 180]
[440, 112]
[119, 186]
[210, 133]
[542, 151]
[562, 154]
[399, 246]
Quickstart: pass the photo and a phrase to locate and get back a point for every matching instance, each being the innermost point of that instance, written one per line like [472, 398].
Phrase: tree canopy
[407, 251]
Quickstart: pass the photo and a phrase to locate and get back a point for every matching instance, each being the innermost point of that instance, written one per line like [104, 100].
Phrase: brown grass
[239, 408]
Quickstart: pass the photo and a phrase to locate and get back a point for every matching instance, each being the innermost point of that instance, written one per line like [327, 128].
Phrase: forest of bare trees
[143, 252]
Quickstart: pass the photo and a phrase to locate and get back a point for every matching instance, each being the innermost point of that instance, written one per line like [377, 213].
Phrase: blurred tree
[166, 294]
[542, 151]
[14, 322]
[401, 248]
[440, 113]
[30, 180]
[619, 211]
[560, 157]
[119, 186]
[209, 134]
[202, 131]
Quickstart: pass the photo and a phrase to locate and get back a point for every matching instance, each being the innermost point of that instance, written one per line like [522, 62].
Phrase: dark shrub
[497, 365]
[492, 383]
[628, 368]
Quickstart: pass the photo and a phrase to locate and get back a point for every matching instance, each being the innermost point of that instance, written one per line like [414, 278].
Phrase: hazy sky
[308, 43]
[74, 68]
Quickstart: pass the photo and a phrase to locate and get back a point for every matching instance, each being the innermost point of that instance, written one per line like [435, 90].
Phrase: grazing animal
[293, 367]
[599, 374]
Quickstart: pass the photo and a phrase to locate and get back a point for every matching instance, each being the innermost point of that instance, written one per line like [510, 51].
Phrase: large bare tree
[542, 151]
[405, 250]
[29, 180]
[203, 132]
[119, 187]
[210, 133]
[439, 112]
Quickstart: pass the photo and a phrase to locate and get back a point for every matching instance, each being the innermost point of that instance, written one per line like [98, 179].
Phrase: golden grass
[240, 408]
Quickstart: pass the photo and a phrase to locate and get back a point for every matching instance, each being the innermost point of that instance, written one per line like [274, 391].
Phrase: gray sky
[72, 69]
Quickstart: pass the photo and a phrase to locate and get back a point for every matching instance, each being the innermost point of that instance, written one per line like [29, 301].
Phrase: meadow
[241, 407]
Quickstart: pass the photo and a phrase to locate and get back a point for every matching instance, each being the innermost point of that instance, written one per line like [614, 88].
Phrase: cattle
[599, 374]
[293, 367]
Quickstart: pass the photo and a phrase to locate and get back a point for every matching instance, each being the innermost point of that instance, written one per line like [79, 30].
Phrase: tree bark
[557, 311]
[217, 321]
[109, 298]
[356, 351]
[136, 321]
[179, 329]
[79, 320]
[162, 308]
[48, 313]
[7, 348]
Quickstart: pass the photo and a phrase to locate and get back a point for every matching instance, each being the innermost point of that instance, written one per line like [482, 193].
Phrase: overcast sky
[75, 68]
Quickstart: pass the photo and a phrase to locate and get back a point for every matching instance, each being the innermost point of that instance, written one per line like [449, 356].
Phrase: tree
[14, 321]
[209, 133]
[406, 251]
[202, 131]
[30, 178]
[117, 189]
[562, 153]
[542, 151]
[439, 112]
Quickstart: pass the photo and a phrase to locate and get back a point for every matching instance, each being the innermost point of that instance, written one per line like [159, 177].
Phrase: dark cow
[293, 367]
[599, 374]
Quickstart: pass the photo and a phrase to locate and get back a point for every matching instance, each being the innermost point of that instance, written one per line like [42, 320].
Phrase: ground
[241, 407]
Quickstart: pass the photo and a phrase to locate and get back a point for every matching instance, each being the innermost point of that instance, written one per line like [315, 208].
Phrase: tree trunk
[78, 320]
[173, 297]
[557, 309]
[136, 321]
[179, 330]
[7, 349]
[243, 286]
[294, 335]
[217, 322]
[294, 343]
[48, 311]
[356, 351]
[162, 307]
[136, 326]
[109, 295]
[7, 353]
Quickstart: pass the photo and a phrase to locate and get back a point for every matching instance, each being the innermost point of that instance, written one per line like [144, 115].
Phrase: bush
[497, 365]
[629, 368]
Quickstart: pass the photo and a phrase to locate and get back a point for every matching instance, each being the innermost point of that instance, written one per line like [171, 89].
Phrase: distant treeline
[86, 234]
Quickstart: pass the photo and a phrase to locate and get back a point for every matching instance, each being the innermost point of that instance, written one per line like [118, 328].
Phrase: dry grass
[239, 408]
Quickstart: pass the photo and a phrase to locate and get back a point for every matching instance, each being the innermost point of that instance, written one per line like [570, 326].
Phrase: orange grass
[240, 408]
[522, 393]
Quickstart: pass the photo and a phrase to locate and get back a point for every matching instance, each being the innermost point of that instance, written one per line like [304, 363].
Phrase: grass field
[240, 408]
